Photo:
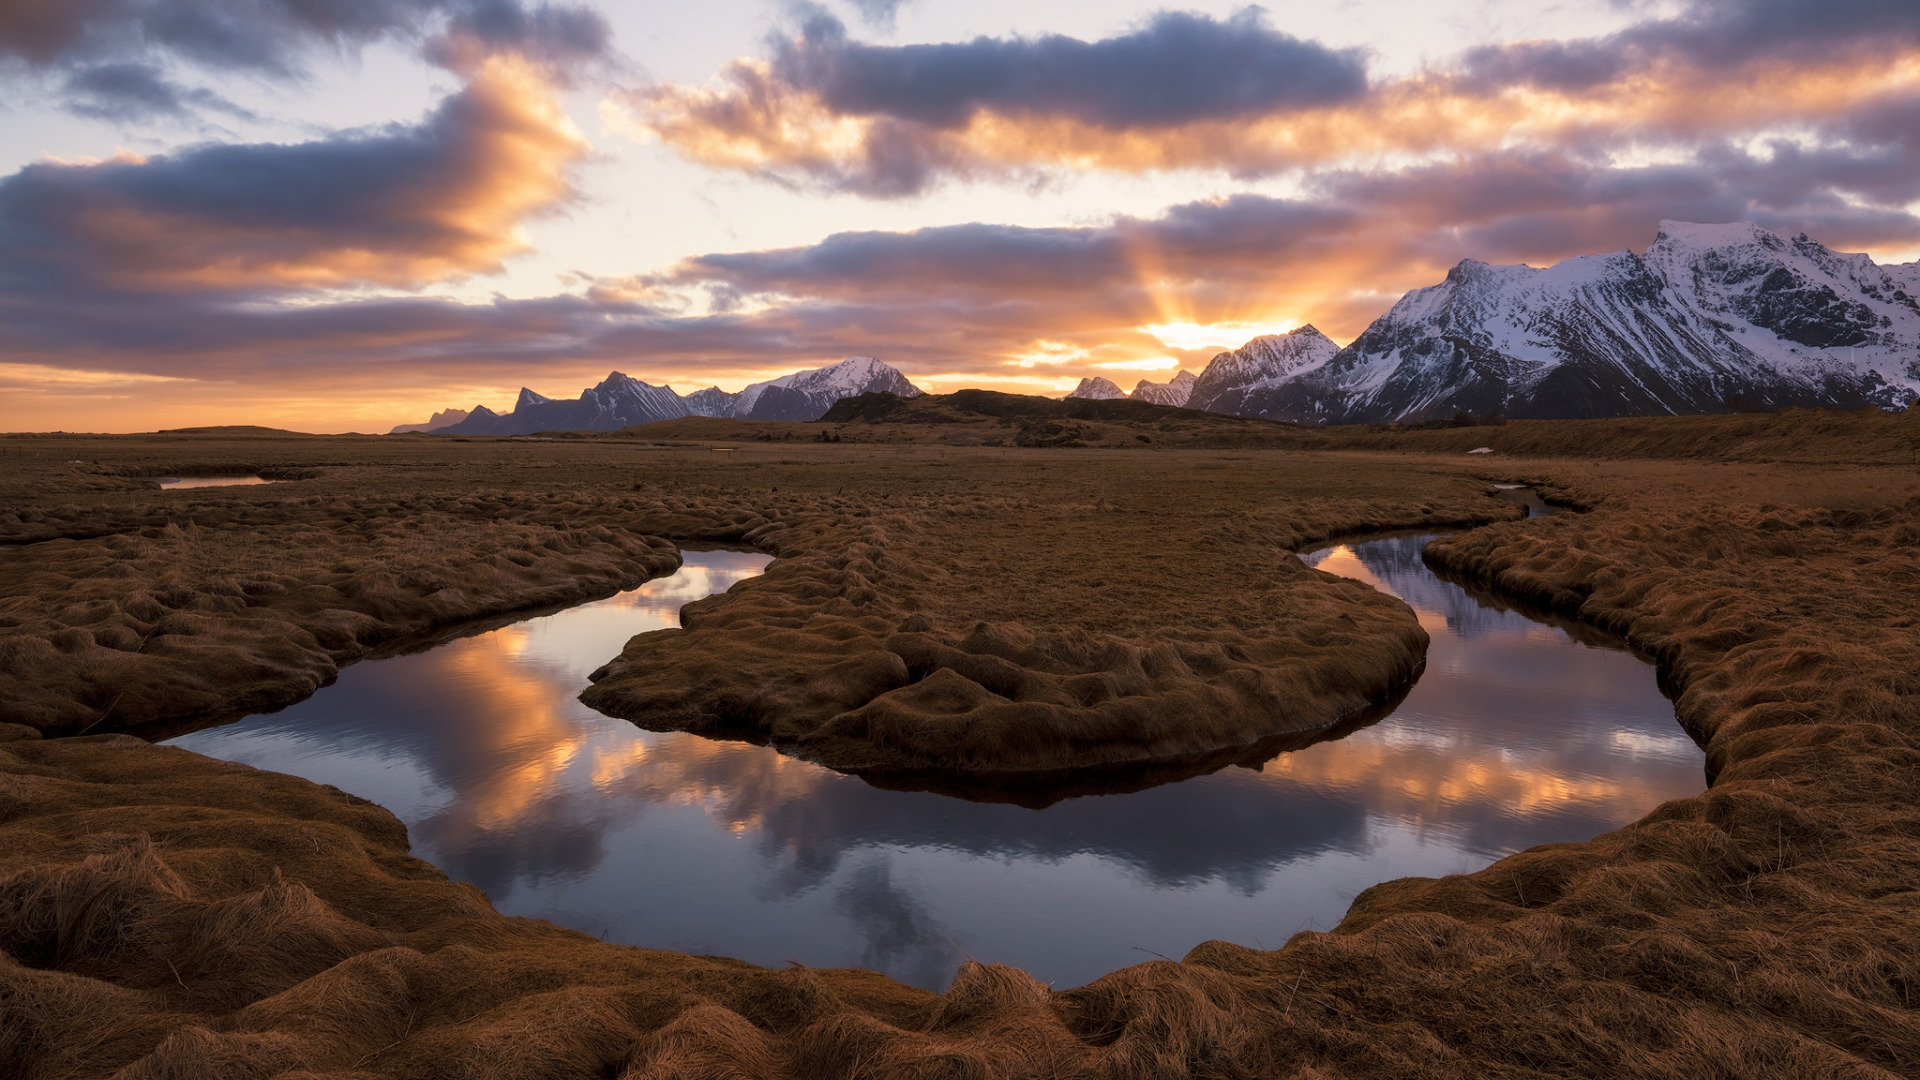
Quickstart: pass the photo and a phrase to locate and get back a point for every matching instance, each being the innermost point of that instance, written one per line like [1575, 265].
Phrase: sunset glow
[1218, 335]
[331, 232]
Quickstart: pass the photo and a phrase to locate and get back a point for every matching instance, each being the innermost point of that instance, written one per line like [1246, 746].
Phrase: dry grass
[180, 620]
[931, 609]
[162, 914]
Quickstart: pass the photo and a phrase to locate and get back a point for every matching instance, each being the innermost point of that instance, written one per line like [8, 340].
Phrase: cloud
[138, 92]
[400, 206]
[267, 36]
[972, 298]
[1707, 36]
[558, 39]
[878, 13]
[114, 52]
[1177, 69]
[887, 120]
[1187, 92]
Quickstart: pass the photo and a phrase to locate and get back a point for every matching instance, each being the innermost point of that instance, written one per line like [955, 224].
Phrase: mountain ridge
[620, 401]
[1710, 319]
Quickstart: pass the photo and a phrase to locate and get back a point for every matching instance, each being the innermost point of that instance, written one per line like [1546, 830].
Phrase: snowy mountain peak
[620, 400]
[1711, 317]
[1097, 389]
[806, 395]
[1175, 391]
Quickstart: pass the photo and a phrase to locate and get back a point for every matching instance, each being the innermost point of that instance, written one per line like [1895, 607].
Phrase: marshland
[1108, 660]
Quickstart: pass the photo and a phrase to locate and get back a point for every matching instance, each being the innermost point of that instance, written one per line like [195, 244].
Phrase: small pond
[1516, 734]
[178, 483]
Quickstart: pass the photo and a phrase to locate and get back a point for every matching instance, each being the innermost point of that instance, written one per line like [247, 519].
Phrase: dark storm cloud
[1177, 69]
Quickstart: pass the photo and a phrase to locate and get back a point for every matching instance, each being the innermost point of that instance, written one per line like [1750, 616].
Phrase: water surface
[180, 483]
[1516, 734]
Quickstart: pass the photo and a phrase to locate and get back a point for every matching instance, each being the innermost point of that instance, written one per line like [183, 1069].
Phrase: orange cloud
[754, 120]
[401, 207]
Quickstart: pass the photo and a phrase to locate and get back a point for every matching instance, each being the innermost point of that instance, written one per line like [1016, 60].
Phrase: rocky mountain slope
[803, 395]
[1710, 319]
[1251, 380]
[621, 401]
[1175, 391]
[1097, 389]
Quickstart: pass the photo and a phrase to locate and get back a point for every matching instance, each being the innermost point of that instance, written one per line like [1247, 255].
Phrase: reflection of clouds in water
[1229, 828]
[1514, 733]
[1661, 747]
[1393, 566]
[897, 932]
[1512, 737]
[518, 767]
[580, 639]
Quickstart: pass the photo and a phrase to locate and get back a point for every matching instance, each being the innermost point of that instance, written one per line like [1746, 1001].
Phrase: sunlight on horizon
[1226, 335]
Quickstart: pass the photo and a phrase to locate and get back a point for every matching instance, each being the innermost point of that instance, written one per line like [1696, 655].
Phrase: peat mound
[971, 636]
[167, 622]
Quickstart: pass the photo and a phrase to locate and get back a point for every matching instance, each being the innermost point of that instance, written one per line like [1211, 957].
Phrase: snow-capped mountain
[622, 401]
[618, 401]
[1906, 276]
[712, 401]
[1175, 391]
[803, 395]
[1828, 318]
[1260, 377]
[1712, 317]
[1097, 389]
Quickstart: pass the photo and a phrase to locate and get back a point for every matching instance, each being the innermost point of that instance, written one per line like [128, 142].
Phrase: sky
[334, 215]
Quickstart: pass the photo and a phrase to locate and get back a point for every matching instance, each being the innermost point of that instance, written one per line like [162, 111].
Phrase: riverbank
[1767, 928]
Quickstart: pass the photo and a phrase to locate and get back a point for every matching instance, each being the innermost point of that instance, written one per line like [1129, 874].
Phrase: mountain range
[621, 400]
[1711, 318]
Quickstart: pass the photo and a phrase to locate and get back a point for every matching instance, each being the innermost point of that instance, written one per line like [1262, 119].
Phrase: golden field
[940, 603]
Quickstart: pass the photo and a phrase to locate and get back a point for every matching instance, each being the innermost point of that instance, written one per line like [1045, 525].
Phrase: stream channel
[1519, 732]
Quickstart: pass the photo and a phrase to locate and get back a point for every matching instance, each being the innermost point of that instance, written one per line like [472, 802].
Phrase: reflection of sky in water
[1515, 735]
[176, 483]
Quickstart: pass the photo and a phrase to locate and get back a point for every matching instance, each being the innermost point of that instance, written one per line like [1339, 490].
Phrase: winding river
[1517, 733]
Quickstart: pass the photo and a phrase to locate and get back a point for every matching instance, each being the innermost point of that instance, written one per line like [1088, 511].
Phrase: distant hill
[248, 431]
[992, 418]
[442, 419]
